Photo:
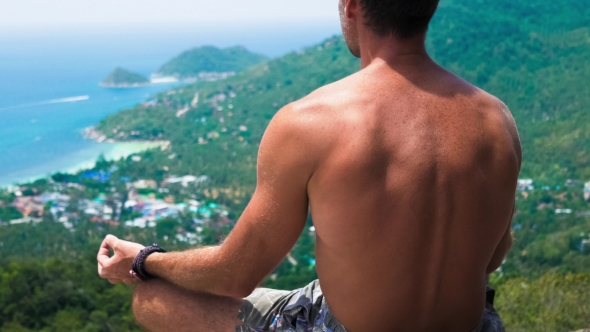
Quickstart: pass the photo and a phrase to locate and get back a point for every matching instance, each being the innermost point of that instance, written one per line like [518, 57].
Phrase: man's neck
[392, 50]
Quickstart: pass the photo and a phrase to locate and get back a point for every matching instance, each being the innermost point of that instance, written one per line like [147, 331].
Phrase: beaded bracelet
[138, 268]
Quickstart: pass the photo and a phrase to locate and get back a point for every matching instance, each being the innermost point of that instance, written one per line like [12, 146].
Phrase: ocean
[49, 84]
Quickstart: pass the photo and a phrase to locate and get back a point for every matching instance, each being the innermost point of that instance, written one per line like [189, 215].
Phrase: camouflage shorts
[306, 310]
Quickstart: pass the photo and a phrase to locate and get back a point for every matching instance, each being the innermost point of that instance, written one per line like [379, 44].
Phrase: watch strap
[138, 267]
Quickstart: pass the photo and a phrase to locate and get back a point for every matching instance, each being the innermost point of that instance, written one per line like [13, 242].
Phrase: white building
[563, 211]
[190, 238]
[524, 185]
[185, 180]
[145, 184]
[25, 220]
[141, 222]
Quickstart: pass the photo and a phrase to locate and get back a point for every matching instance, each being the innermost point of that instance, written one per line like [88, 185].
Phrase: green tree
[553, 303]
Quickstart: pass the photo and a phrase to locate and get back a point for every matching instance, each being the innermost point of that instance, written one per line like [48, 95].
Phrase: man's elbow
[243, 292]
[494, 266]
[501, 253]
[239, 289]
[235, 285]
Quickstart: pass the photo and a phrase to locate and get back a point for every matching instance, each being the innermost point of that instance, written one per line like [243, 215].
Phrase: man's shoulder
[499, 118]
[495, 107]
[310, 125]
[321, 108]
[481, 99]
[303, 131]
[329, 96]
[453, 85]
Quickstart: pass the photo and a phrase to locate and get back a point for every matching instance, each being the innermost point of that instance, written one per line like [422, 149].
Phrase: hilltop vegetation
[553, 303]
[210, 59]
[121, 78]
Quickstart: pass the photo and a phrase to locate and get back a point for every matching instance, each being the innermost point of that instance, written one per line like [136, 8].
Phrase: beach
[79, 160]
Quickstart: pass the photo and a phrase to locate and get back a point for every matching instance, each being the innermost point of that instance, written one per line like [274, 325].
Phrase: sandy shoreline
[92, 133]
[120, 150]
[81, 160]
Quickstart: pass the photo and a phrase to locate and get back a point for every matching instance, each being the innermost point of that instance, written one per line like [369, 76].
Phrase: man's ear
[352, 9]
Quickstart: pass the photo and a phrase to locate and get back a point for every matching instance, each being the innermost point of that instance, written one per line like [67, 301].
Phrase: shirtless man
[410, 175]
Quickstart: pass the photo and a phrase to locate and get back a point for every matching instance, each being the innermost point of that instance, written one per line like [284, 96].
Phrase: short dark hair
[402, 18]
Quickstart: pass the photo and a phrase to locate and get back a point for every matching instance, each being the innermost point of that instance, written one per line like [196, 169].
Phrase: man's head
[402, 19]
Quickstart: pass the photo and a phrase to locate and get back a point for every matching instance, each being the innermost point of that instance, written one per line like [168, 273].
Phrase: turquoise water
[49, 84]
[43, 111]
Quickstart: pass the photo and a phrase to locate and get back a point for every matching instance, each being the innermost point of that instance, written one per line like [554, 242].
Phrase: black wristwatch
[138, 267]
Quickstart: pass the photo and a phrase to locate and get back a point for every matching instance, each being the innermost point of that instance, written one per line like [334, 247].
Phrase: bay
[49, 83]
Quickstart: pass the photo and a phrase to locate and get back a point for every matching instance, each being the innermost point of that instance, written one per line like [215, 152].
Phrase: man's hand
[116, 269]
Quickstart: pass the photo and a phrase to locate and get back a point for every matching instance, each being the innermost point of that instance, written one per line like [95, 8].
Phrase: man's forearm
[199, 270]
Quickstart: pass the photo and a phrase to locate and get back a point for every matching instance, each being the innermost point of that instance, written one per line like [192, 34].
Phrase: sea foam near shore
[80, 160]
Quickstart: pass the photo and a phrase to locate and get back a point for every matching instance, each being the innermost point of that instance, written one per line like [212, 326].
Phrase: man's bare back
[410, 175]
[413, 193]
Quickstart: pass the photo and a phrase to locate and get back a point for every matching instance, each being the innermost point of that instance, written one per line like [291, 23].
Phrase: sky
[270, 27]
[64, 13]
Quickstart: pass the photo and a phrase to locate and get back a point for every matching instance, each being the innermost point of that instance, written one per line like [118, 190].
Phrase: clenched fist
[116, 268]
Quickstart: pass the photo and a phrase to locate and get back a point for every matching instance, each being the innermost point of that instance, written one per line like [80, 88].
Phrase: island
[208, 63]
[121, 78]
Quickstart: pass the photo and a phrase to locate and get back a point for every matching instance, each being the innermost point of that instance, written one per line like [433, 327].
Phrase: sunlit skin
[410, 175]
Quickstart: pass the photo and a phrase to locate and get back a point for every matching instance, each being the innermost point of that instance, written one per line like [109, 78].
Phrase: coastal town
[562, 203]
[145, 202]
[142, 204]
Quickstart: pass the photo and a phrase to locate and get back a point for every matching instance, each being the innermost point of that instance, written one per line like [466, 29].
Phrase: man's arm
[502, 250]
[507, 240]
[268, 228]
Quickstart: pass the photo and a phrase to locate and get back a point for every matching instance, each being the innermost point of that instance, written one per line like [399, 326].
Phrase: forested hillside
[532, 55]
[210, 59]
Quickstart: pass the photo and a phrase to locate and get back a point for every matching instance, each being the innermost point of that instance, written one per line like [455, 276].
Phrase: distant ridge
[121, 78]
[208, 62]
